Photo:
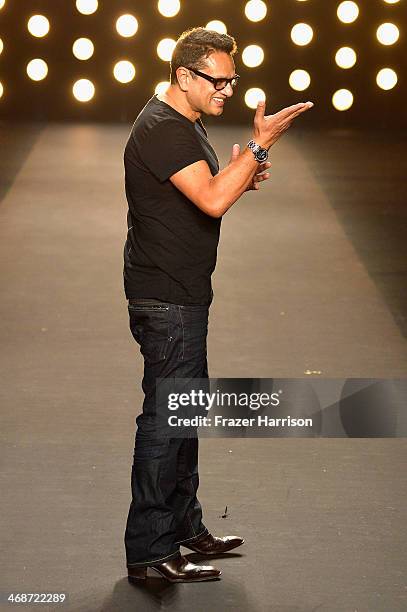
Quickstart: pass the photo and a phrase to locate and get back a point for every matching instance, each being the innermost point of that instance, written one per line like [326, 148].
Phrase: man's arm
[216, 194]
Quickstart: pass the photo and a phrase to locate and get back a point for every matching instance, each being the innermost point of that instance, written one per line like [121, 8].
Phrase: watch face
[262, 155]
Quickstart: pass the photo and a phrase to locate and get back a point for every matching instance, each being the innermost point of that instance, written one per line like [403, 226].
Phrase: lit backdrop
[102, 60]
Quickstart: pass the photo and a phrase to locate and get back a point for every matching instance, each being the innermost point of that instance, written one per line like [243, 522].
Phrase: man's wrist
[260, 140]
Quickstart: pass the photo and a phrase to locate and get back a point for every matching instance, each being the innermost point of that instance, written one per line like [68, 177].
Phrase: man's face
[202, 95]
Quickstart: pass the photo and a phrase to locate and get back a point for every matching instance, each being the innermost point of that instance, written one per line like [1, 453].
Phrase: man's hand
[268, 129]
[260, 174]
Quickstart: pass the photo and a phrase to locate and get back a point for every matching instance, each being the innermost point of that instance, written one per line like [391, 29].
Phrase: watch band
[253, 146]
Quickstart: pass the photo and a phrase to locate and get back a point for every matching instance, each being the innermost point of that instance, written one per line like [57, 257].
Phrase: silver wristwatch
[260, 155]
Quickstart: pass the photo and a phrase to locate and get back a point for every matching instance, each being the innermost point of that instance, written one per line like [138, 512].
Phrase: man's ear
[183, 78]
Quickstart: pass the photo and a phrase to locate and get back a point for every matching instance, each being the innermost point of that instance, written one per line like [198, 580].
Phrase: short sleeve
[170, 146]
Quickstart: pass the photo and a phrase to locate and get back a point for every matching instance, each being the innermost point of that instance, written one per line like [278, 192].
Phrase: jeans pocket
[150, 328]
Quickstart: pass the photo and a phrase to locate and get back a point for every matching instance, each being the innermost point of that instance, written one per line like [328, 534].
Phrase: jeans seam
[183, 334]
[191, 487]
[190, 522]
[153, 561]
[193, 537]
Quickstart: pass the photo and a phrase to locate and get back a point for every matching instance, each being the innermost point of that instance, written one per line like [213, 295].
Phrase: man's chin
[216, 111]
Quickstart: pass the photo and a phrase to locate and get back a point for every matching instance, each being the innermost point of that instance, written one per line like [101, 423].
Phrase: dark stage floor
[311, 275]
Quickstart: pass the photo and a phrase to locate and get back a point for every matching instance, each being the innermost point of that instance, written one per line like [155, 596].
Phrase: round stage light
[1, 89]
[252, 56]
[161, 87]
[345, 57]
[38, 26]
[83, 90]
[83, 48]
[1, 46]
[2, 3]
[301, 34]
[342, 99]
[391, 1]
[348, 12]
[127, 25]
[299, 80]
[387, 33]
[255, 10]
[253, 96]
[386, 78]
[169, 8]
[87, 7]
[216, 26]
[37, 69]
[165, 49]
[124, 71]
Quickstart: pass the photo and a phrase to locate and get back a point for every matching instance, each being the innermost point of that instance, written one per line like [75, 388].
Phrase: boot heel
[136, 573]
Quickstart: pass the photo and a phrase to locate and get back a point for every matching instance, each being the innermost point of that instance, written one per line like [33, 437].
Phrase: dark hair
[195, 45]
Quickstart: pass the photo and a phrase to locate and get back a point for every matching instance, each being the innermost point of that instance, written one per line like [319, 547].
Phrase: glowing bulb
[1, 87]
[391, 1]
[2, 3]
[342, 99]
[87, 7]
[1, 46]
[253, 96]
[348, 12]
[386, 78]
[216, 26]
[161, 87]
[387, 33]
[299, 80]
[169, 8]
[301, 34]
[252, 56]
[38, 26]
[345, 57]
[124, 71]
[127, 25]
[255, 10]
[165, 49]
[83, 90]
[37, 69]
[83, 48]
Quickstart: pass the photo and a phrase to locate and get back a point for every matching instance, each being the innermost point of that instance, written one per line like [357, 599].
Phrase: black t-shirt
[171, 246]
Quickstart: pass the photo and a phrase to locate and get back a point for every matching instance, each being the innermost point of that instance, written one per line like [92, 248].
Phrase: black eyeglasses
[217, 83]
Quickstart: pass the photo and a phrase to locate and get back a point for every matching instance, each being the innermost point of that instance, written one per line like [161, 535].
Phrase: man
[177, 197]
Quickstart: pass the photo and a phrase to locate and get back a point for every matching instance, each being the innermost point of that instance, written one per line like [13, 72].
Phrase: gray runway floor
[311, 275]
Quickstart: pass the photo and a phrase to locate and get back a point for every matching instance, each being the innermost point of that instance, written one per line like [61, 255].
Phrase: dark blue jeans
[164, 510]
